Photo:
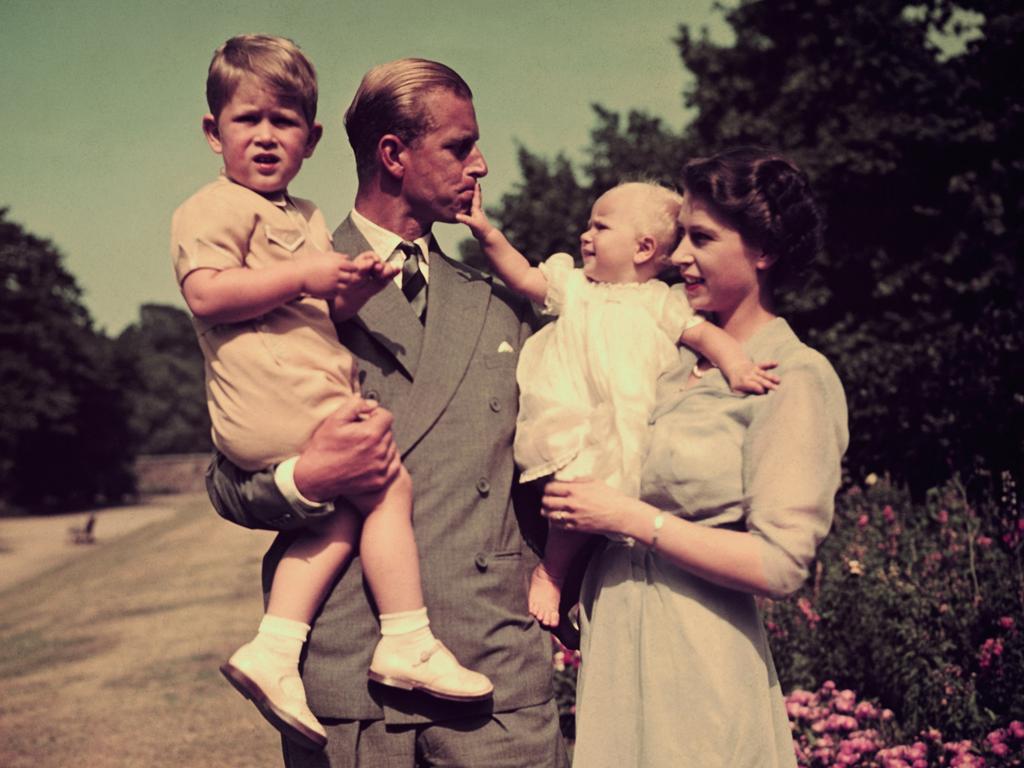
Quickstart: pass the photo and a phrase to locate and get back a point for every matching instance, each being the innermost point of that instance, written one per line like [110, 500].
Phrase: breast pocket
[501, 359]
[288, 239]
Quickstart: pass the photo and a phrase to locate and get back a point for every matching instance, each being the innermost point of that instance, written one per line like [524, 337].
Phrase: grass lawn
[110, 660]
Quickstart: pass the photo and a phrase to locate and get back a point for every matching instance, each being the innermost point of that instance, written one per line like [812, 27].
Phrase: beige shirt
[271, 380]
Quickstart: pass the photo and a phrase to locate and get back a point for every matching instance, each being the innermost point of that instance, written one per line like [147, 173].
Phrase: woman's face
[720, 272]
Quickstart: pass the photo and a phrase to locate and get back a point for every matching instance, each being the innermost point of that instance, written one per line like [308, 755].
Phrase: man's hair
[390, 99]
[657, 212]
[276, 62]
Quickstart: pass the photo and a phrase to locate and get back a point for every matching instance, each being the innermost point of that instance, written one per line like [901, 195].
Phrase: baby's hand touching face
[476, 219]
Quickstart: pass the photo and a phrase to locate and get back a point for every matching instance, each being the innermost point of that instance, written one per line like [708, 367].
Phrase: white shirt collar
[384, 243]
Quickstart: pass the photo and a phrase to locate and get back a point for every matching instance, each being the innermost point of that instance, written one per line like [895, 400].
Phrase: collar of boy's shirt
[385, 244]
[280, 199]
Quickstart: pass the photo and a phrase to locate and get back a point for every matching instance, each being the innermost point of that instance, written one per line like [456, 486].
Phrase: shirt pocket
[289, 239]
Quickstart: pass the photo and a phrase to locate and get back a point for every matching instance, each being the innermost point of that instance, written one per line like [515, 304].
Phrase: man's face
[442, 166]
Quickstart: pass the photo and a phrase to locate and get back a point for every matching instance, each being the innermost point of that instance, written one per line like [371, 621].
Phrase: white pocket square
[505, 347]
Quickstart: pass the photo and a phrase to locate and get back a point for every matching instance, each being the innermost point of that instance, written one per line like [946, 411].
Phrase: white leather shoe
[277, 691]
[435, 671]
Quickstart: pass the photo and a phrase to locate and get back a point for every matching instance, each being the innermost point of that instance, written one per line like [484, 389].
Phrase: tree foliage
[909, 122]
[166, 396]
[63, 425]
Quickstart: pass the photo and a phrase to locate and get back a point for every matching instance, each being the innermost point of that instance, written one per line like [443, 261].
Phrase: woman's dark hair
[766, 198]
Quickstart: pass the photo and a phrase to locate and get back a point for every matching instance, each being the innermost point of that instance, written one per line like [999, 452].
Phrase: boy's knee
[402, 484]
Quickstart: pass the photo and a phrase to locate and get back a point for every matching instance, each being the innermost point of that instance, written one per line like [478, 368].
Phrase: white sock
[281, 636]
[407, 630]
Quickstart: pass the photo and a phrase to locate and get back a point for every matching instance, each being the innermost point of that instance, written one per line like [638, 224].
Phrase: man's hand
[351, 452]
[368, 278]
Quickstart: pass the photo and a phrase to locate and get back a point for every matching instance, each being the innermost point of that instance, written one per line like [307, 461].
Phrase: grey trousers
[522, 738]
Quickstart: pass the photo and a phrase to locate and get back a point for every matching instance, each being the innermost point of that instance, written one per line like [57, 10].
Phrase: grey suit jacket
[452, 389]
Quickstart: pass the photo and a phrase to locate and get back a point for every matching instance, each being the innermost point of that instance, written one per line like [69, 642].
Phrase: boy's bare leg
[408, 655]
[549, 575]
[387, 547]
[266, 669]
[310, 565]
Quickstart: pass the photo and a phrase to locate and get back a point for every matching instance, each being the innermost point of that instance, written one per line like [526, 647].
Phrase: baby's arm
[510, 264]
[742, 373]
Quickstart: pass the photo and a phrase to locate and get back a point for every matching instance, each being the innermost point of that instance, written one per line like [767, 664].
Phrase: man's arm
[351, 452]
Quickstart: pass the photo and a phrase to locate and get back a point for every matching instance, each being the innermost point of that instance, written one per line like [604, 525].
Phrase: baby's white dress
[587, 381]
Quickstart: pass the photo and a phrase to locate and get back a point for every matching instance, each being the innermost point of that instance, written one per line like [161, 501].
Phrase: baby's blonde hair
[276, 62]
[657, 212]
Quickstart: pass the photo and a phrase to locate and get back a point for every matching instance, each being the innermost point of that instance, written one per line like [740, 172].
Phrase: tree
[63, 423]
[907, 121]
[166, 394]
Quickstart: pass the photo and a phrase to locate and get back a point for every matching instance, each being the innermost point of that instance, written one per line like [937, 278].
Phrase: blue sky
[102, 103]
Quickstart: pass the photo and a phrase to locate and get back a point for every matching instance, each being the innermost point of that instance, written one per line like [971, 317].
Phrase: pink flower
[889, 514]
[1000, 749]
[866, 711]
[1006, 622]
[1016, 729]
[862, 521]
[810, 615]
[984, 541]
[943, 516]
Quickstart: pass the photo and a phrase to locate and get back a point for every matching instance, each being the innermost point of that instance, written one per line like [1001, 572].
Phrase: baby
[257, 271]
[587, 380]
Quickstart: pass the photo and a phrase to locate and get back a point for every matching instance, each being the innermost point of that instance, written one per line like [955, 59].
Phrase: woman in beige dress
[737, 492]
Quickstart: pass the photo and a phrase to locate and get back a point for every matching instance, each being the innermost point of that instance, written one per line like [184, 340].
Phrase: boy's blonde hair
[276, 62]
[657, 212]
[390, 100]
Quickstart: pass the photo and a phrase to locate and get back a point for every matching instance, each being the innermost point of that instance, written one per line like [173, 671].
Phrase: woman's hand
[588, 506]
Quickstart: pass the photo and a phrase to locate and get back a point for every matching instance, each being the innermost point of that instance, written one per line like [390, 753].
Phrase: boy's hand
[476, 219]
[368, 276]
[751, 377]
[324, 273]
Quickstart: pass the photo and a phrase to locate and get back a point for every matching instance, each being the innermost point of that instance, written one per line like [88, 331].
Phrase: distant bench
[83, 534]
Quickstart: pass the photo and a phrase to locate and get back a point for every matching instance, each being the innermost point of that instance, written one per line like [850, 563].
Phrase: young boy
[256, 268]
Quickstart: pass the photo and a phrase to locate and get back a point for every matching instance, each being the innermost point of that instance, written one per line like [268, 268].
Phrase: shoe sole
[411, 685]
[288, 726]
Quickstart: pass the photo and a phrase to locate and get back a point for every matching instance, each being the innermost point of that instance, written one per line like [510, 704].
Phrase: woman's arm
[791, 463]
[729, 558]
[512, 267]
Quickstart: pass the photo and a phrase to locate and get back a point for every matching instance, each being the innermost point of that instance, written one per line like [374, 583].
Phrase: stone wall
[171, 473]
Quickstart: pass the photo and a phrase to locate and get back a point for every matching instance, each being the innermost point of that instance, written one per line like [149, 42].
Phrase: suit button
[495, 404]
[372, 394]
[481, 561]
[482, 486]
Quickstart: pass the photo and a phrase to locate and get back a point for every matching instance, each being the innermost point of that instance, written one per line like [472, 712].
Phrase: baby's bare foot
[545, 595]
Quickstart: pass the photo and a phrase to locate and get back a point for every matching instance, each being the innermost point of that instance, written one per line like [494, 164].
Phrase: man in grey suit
[446, 371]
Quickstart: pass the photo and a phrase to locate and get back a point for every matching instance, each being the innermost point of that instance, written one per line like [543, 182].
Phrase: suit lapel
[456, 306]
[387, 317]
[435, 357]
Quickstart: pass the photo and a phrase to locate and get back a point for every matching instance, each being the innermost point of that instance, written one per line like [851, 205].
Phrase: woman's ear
[389, 152]
[765, 260]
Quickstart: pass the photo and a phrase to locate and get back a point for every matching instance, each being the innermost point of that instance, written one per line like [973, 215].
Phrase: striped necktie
[414, 285]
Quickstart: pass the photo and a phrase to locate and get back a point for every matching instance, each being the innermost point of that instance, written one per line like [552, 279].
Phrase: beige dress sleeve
[791, 469]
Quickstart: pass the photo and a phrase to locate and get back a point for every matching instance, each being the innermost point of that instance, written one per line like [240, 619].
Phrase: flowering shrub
[916, 608]
[919, 607]
[566, 664]
[831, 728]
